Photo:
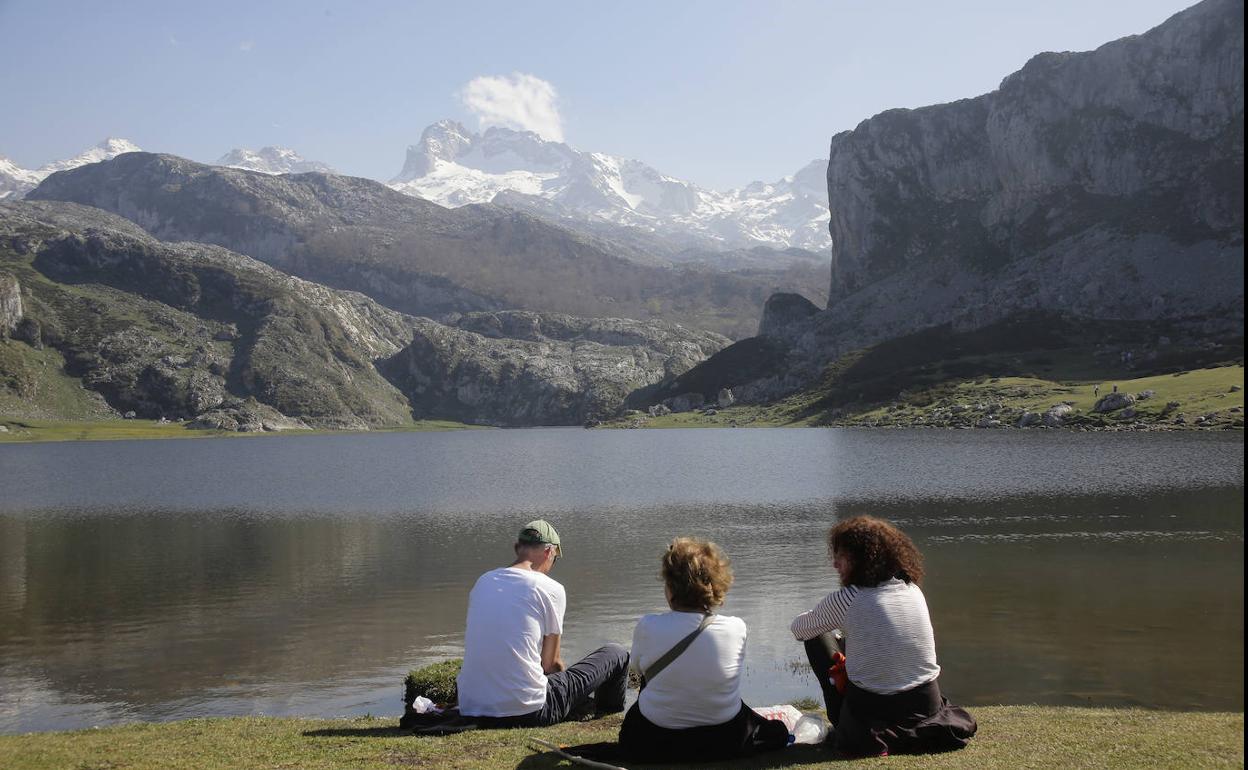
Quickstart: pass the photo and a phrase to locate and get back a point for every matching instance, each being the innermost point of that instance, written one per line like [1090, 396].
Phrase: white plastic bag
[423, 705]
[811, 729]
[803, 728]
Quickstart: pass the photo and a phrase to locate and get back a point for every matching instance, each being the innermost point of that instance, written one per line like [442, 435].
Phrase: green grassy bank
[1210, 398]
[21, 430]
[1009, 737]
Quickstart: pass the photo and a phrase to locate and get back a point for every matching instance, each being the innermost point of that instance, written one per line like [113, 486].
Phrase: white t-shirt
[509, 611]
[703, 685]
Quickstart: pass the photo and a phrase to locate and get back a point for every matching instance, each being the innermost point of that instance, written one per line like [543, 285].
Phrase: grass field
[1215, 391]
[1009, 737]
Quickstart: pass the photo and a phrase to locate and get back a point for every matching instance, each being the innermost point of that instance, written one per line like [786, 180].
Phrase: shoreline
[1009, 736]
[1196, 399]
[20, 430]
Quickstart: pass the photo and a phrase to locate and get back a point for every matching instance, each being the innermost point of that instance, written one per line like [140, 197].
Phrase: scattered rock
[658, 410]
[1113, 402]
[725, 398]
[1056, 416]
[1235, 389]
[1029, 419]
[1145, 395]
[1127, 413]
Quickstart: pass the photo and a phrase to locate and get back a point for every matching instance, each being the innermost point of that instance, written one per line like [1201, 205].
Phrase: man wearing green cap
[513, 675]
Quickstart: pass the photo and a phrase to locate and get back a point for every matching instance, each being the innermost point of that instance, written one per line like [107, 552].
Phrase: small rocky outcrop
[786, 315]
[1056, 415]
[1112, 402]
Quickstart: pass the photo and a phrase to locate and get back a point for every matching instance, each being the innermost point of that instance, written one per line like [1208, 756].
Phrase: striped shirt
[889, 642]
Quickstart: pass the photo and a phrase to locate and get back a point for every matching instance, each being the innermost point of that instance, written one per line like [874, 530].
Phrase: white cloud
[246, 46]
[518, 101]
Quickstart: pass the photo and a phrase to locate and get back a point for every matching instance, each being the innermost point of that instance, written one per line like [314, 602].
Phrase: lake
[155, 580]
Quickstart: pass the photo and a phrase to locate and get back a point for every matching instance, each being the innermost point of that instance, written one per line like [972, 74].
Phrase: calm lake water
[305, 575]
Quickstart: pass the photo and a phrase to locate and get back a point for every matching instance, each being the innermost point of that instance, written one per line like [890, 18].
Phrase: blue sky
[721, 93]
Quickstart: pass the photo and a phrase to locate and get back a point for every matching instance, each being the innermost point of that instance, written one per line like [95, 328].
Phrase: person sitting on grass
[690, 662]
[889, 700]
[513, 675]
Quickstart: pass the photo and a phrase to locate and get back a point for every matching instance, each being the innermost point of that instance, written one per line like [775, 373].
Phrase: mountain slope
[190, 331]
[454, 166]
[409, 254]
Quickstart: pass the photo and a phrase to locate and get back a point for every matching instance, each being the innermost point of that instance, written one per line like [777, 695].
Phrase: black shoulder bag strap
[650, 673]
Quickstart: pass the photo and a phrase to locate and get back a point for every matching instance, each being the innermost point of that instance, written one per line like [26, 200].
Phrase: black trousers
[602, 674]
[915, 721]
[747, 733]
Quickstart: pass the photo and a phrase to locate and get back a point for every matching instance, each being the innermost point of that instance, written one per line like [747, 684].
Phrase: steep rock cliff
[1105, 184]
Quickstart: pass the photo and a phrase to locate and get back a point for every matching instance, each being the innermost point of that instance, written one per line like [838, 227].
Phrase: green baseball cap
[540, 531]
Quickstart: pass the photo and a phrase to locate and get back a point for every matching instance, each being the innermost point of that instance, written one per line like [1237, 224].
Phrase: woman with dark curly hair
[887, 699]
[689, 661]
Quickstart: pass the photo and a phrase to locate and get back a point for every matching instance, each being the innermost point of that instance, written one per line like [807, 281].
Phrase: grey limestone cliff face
[10, 304]
[518, 368]
[1106, 184]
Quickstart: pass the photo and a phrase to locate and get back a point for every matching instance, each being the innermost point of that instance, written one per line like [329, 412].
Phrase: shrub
[435, 681]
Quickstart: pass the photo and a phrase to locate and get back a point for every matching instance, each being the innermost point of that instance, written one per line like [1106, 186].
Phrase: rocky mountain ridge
[193, 331]
[453, 166]
[412, 255]
[272, 160]
[15, 181]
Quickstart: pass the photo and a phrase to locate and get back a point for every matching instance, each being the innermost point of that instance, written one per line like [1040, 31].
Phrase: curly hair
[877, 551]
[697, 573]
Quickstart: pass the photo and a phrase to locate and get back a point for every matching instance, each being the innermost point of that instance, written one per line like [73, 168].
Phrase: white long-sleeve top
[890, 646]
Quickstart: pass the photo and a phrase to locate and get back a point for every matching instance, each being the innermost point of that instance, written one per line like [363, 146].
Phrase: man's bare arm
[551, 662]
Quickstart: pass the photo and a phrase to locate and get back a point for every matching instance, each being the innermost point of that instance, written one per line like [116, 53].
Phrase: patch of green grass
[435, 682]
[1009, 737]
[33, 383]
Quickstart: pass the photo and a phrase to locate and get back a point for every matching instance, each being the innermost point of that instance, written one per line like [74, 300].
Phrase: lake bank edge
[1008, 736]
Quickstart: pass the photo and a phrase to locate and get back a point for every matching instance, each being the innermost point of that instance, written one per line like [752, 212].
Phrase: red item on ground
[837, 673]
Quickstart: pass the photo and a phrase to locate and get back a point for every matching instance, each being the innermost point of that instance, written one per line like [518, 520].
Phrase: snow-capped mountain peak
[454, 166]
[272, 160]
[15, 181]
[105, 150]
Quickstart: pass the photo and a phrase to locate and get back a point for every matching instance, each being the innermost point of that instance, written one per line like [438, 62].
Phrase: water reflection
[124, 612]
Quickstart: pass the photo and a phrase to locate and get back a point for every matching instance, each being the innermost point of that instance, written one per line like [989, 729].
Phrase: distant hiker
[690, 662]
[888, 698]
[513, 675]
[1115, 387]
[1096, 391]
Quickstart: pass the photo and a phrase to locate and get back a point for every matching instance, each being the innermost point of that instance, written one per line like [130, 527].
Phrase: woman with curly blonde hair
[887, 699]
[689, 661]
